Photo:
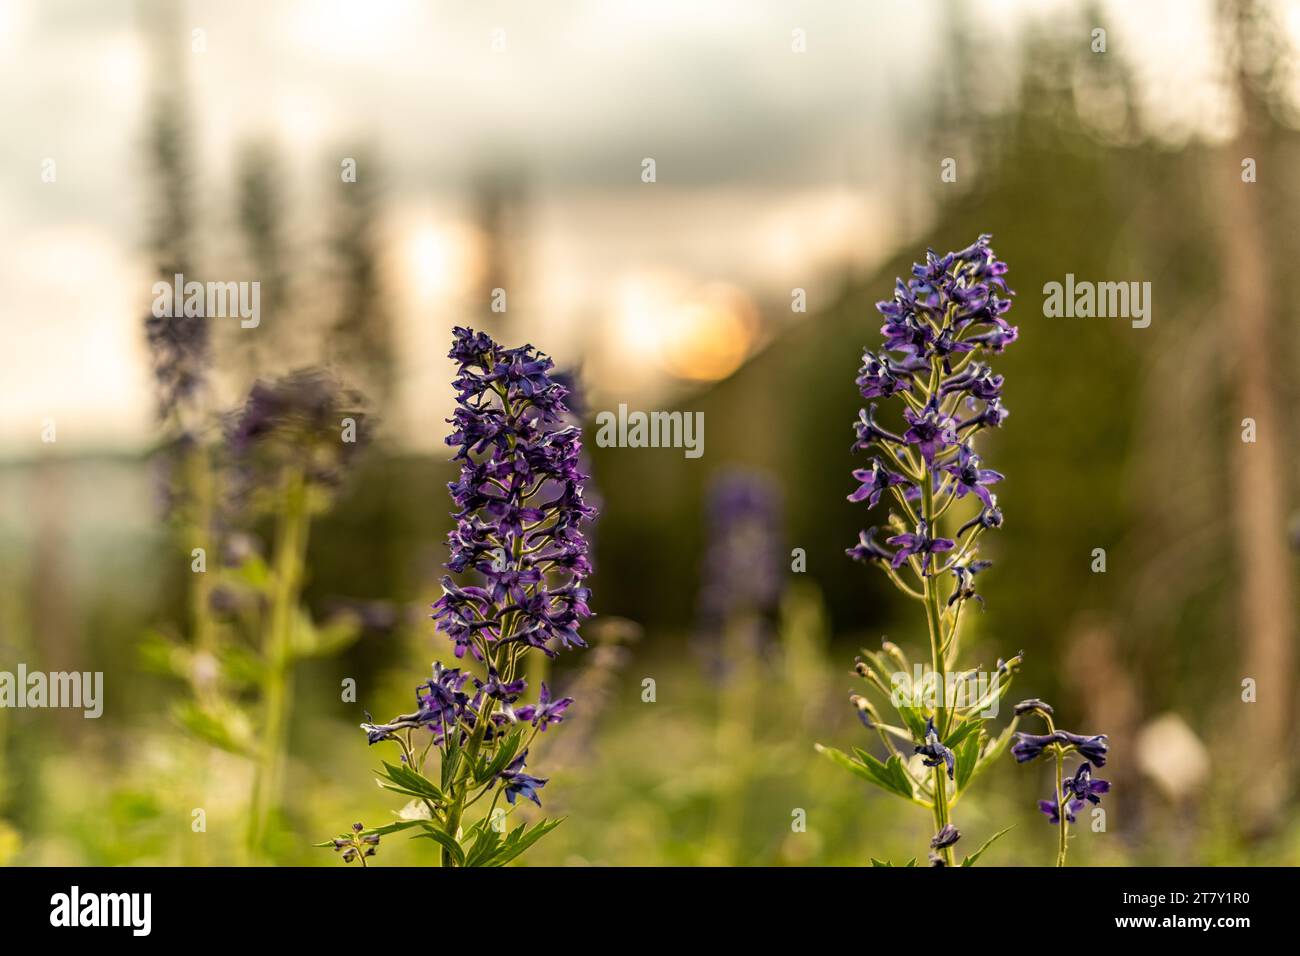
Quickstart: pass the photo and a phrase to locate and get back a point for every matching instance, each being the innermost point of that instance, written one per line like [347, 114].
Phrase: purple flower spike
[943, 321]
[520, 504]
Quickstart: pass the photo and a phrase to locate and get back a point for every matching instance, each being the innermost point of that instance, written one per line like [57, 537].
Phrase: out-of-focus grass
[648, 786]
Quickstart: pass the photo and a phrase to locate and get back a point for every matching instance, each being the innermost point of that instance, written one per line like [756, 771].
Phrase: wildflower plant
[1072, 793]
[520, 510]
[740, 593]
[940, 324]
[283, 455]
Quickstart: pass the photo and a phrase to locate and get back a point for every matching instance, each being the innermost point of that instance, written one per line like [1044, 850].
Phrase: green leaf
[333, 635]
[505, 753]
[221, 725]
[995, 749]
[520, 839]
[970, 860]
[450, 761]
[448, 843]
[874, 861]
[486, 841]
[915, 721]
[406, 781]
[394, 827]
[376, 831]
[252, 572]
[968, 753]
[963, 732]
[889, 775]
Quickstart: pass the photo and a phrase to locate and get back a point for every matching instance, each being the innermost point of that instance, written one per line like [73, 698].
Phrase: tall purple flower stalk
[518, 562]
[939, 327]
[520, 501]
[742, 574]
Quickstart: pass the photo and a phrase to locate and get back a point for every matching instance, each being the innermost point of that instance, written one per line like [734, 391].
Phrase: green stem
[457, 808]
[201, 487]
[1060, 806]
[277, 686]
[935, 624]
[734, 733]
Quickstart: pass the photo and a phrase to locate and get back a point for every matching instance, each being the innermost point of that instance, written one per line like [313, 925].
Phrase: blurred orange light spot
[711, 335]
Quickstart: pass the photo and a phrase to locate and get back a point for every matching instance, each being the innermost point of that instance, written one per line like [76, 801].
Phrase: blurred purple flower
[743, 560]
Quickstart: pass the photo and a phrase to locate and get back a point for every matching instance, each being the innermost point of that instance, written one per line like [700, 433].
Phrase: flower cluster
[306, 424]
[520, 501]
[357, 845]
[951, 311]
[940, 324]
[1072, 793]
[519, 514]
[180, 352]
[742, 571]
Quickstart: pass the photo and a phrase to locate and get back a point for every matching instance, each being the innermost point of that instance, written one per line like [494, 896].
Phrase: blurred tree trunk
[1250, 309]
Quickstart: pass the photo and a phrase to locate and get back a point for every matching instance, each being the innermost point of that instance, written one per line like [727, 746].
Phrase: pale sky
[774, 169]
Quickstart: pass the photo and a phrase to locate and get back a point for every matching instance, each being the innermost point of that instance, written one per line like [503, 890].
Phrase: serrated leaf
[406, 781]
[486, 841]
[970, 860]
[520, 839]
[889, 775]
